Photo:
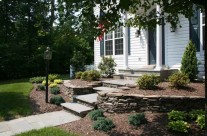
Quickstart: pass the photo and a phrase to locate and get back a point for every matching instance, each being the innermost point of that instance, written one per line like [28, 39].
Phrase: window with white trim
[114, 42]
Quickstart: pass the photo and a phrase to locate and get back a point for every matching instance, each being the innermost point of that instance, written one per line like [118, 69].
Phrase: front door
[152, 46]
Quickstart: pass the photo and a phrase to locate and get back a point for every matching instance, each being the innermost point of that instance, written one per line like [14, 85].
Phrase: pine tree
[189, 64]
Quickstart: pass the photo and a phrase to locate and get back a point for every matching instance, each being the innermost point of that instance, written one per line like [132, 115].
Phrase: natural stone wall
[120, 102]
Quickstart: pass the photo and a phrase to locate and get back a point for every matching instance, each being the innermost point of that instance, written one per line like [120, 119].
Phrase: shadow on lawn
[13, 105]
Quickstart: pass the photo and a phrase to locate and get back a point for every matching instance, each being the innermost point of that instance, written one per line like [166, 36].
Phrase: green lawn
[14, 99]
[51, 131]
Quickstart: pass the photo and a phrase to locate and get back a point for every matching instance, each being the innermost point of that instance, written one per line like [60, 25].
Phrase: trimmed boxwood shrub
[41, 87]
[176, 115]
[178, 126]
[103, 124]
[137, 119]
[84, 75]
[95, 114]
[56, 99]
[55, 90]
[148, 81]
[178, 80]
[78, 75]
[93, 75]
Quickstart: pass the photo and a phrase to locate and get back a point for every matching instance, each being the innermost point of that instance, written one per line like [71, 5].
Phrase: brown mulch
[38, 104]
[192, 89]
[156, 126]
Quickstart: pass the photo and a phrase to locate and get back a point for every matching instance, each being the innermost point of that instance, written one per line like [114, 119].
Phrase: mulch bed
[156, 126]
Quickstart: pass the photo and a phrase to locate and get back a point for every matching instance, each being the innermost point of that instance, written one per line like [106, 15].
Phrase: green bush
[36, 79]
[56, 99]
[41, 87]
[53, 85]
[137, 119]
[84, 75]
[103, 124]
[178, 126]
[189, 64]
[201, 121]
[177, 115]
[55, 90]
[58, 81]
[78, 75]
[148, 81]
[178, 80]
[93, 75]
[195, 113]
[95, 114]
[52, 77]
[44, 82]
[107, 66]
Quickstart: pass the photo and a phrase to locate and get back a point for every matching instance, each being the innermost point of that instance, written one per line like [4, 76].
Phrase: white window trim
[113, 39]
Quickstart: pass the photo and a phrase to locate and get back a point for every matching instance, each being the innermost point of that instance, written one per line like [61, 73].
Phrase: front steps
[84, 103]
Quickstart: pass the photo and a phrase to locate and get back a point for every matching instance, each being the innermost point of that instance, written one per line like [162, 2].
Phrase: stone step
[127, 76]
[106, 89]
[88, 99]
[118, 83]
[76, 108]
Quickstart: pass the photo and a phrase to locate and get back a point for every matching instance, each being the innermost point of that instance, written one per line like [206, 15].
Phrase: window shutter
[195, 28]
[129, 42]
[102, 47]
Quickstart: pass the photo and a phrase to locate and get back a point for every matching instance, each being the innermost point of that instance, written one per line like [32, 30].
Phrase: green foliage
[78, 61]
[84, 75]
[137, 119]
[55, 90]
[201, 121]
[49, 131]
[41, 87]
[56, 99]
[95, 114]
[52, 77]
[78, 75]
[44, 82]
[176, 115]
[58, 81]
[93, 75]
[36, 79]
[195, 113]
[178, 126]
[178, 80]
[107, 66]
[148, 81]
[103, 124]
[189, 64]
[53, 85]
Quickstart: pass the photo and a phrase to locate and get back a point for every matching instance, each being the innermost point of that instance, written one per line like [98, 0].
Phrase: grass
[14, 99]
[50, 131]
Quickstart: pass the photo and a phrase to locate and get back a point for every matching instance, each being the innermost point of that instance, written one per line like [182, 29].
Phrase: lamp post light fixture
[47, 57]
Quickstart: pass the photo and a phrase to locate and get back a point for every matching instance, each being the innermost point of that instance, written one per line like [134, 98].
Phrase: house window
[114, 42]
[203, 28]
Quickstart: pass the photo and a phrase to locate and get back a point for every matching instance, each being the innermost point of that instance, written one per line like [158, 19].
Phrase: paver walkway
[12, 127]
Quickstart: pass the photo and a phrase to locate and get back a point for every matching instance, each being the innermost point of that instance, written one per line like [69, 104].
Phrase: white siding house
[161, 48]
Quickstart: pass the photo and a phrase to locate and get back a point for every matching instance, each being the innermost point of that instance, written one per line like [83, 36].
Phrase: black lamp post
[47, 57]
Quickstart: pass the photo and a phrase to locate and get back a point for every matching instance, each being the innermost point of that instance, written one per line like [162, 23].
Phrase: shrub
[36, 79]
[41, 87]
[107, 66]
[93, 75]
[95, 114]
[52, 77]
[103, 124]
[137, 119]
[189, 64]
[53, 85]
[44, 82]
[148, 81]
[178, 126]
[56, 99]
[178, 80]
[201, 121]
[195, 113]
[54, 90]
[58, 81]
[84, 75]
[176, 115]
[78, 75]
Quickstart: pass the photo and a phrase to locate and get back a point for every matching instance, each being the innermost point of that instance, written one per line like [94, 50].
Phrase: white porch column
[158, 42]
[126, 45]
